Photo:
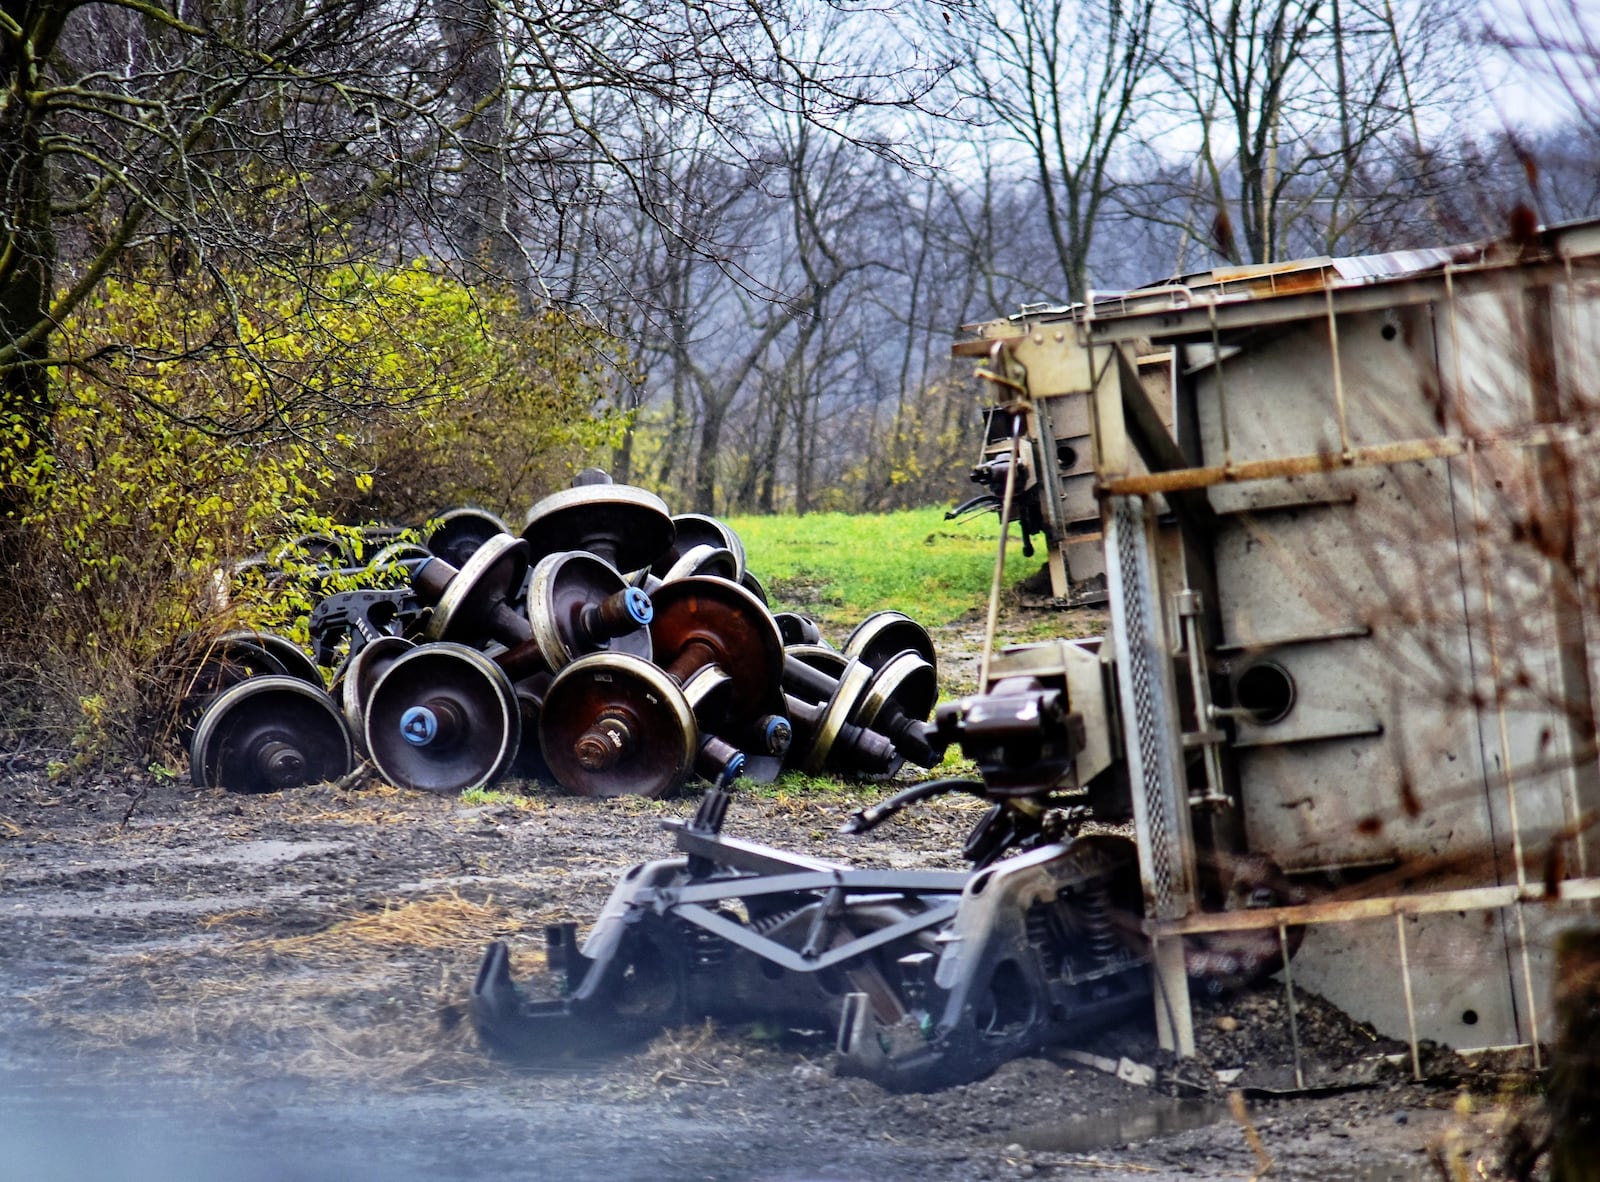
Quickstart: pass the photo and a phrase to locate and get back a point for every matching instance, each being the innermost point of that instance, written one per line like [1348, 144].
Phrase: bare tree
[509, 142]
[1554, 48]
[1064, 83]
[751, 308]
[1305, 118]
[481, 228]
[949, 260]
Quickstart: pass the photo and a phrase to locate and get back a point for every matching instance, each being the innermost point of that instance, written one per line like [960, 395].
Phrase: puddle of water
[112, 903]
[1159, 1116]
[265, 852]
[130, 899]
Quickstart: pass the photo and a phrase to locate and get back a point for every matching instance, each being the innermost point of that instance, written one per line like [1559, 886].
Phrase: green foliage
[849, 794]
[197, 424]
[128, 512]
[277, 589]
[926, 452]
[839, 568]
[522, 403]
[793, 783]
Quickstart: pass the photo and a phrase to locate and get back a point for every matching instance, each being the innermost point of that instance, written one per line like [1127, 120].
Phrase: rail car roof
[1297, 288]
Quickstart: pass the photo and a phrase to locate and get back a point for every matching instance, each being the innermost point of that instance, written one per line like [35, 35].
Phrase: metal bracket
[1009, 376]
[1207, 738]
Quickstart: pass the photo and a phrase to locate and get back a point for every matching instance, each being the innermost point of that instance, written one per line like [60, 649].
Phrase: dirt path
[273, 987]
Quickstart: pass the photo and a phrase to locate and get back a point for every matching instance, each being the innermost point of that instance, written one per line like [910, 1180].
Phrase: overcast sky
[1533, 87]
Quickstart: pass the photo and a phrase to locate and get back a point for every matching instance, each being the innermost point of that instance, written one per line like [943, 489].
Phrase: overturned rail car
[1344, 508]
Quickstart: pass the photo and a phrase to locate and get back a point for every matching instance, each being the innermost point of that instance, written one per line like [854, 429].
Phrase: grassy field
[840, 567]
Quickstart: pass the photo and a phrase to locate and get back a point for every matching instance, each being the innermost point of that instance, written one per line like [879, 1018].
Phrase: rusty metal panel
[1066, 463]
[1365, 587]
[1279, 398]
[1515, 359]
[1060, 375]
[1071, 415]
[1175, 314]
[1402, 495]
[1456, 1005]
[1475, 960]
[1056, 363]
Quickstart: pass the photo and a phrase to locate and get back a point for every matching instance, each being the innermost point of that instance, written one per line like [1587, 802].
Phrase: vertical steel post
[1338, 378]
[1530, 1002]
[1411, 1006]
[1294, 1015]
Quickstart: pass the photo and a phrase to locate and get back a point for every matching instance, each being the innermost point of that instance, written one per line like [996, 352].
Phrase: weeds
[515, 797]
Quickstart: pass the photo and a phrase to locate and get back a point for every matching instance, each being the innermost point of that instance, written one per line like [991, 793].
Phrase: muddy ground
[200, 985]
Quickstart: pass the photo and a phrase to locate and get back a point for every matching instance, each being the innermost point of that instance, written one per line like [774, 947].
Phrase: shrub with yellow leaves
[195, 423]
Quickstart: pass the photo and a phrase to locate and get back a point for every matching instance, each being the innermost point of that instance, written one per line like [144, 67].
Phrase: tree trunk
[26, 275]
[767, 502]
[705, 473]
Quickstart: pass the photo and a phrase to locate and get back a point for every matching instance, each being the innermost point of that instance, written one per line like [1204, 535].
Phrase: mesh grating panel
[1145, 701]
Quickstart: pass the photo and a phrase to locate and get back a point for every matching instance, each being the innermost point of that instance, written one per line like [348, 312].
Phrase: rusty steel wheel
[529, 763]
[710, 693]
[753, 585]
[704, 621]
[796, 628]
[801, 661]
[295, 660]
[457, 534]
[698, 529]
[478, 602]
[852, 684]
[627, 526]
[702, 560]
[443, 718]
[579, 604]
[206, 668]
[353, 684]
[885, 634]
[613, 724]
[907, 686]
[267, 734]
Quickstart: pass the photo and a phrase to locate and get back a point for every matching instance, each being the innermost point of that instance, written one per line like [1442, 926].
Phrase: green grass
[502, 797]
[794, 782]
[839, 568]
